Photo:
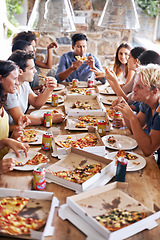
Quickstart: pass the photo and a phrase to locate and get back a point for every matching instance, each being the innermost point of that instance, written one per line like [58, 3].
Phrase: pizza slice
[111, 140]
[80, 124]
[17, 225]
[128, 156]
[79, 174]
[29, 136]
[79, 58]
[12, 205]
[117, 219]
[37, 159]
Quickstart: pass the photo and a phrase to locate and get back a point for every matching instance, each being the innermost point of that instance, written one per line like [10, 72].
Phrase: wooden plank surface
[143, 186]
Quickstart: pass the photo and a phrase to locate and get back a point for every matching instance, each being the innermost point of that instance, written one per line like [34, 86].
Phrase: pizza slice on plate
[37, 159]
[29, 136]
[128, 156]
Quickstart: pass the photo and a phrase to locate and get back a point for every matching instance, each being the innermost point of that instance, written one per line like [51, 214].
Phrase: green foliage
[13, 7]
[151, 7]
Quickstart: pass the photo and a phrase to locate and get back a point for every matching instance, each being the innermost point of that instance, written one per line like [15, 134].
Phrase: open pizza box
[92, 101]
[99, 148]
[80, 158]
[41, 205]
[72, 120]
[82, 208]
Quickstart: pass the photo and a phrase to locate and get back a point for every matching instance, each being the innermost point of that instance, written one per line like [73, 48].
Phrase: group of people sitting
[135, 78]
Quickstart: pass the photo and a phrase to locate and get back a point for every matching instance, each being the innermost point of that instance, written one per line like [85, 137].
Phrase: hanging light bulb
[54, 15]
[119, 14]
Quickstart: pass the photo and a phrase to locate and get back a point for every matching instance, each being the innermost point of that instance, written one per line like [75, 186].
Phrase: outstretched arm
[148, 143]
[48, 63]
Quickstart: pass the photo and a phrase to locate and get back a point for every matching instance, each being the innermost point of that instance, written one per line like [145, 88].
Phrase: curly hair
[150, 75]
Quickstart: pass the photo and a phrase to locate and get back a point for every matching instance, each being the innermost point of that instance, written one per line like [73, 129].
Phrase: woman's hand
[58, 118]
[110, 75]
[15, 145]
[7, 165]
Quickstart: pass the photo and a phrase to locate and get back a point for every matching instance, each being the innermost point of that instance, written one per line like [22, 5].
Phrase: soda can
[117, 121]
[54, 100]
[75, 83]
[47, 141]
[121, 169]
[47, 119]
[88, 92]
[90, 83]
[101, 127]
[39, 181]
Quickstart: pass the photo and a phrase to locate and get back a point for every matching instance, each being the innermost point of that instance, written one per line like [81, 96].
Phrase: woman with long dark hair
[8, 84]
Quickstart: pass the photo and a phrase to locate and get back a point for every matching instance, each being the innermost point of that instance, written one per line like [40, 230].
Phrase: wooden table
[143, 186]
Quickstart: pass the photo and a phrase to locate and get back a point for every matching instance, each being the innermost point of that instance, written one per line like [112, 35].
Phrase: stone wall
[101, 42]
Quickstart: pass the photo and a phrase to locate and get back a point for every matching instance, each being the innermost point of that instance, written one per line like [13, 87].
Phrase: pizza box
[93, 101]
[98, 149]
[41, 205]
[78, 158]
[72, 119]
[82, 208]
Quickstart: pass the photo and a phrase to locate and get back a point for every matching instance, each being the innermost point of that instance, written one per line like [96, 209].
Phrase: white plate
[122, 142]
[130, 165]
[40, 113]
[39, 137]
[60, 87]
[108, 99]
[60, 99]
[107, 91]
[23, 159]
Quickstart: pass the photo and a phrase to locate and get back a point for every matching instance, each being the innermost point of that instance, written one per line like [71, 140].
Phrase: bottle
[121, 169]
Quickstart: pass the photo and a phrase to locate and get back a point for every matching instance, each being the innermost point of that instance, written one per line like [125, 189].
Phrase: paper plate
[23, 159]
[122, 142]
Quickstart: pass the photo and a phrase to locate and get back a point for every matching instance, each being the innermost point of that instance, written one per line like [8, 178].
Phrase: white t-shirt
[18, 99]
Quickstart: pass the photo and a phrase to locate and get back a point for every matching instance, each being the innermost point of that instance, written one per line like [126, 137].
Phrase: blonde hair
[150, 75]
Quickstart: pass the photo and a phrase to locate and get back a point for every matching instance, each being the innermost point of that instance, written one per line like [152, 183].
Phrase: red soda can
[47, 141]
[90, 83]
[48, 119]
[39, 181]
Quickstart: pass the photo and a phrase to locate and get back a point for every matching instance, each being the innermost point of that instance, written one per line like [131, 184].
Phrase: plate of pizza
[28, 163]
[40, 112]
[59, 87]
[135, 161]
[31, 136]
[117, 142]
[107, 91]
[108, 100]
